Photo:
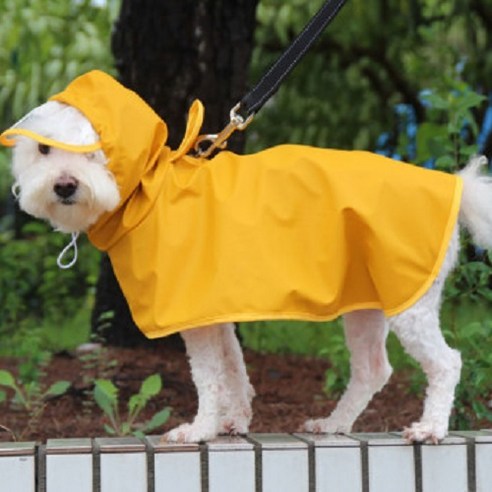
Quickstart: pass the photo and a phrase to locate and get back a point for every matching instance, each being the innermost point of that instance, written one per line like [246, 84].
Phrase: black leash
[244, 111]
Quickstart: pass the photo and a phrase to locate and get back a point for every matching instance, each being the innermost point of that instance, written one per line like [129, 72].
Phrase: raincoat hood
[292, 232]
[133, 138]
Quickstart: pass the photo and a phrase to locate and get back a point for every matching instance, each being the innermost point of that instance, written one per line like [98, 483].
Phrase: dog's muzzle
[65, 189]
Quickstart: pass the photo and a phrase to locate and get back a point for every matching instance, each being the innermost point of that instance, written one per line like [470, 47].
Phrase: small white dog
[72, 190]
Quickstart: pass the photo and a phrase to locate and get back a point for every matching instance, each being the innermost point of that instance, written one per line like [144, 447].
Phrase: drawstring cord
[65, 250]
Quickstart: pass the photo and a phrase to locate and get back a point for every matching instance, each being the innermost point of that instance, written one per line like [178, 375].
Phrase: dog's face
[68, 189]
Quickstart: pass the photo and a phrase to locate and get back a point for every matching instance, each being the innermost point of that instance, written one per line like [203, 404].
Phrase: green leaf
[151, 386]
[437, 101]
[3, 396]
[108, 388]
[57, 389]
[445, 162]
[106, 396]
[125, 429]
[109, 430]
[470, 100]
[158, 419]
[139, 434]
[136, 403]
[332, 382]
[431, 141]
[6, 379]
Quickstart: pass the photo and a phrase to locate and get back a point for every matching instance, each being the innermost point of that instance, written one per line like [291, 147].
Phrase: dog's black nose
[65, 187]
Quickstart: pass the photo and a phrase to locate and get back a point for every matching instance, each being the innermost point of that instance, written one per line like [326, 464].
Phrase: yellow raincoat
[292, 232]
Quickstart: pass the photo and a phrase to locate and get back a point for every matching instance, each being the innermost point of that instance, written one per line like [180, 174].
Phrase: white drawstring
[72, 244]
[65, 250]
[16, 190]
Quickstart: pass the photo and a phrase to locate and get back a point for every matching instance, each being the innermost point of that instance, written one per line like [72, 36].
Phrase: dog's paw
[191, 433]
[236, 419]
[234, 425]
[427, 432]
[325, 426]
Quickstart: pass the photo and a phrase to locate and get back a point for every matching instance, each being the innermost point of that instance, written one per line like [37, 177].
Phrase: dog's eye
[44, 149]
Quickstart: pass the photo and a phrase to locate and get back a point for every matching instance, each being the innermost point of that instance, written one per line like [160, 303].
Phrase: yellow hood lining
[7, 138]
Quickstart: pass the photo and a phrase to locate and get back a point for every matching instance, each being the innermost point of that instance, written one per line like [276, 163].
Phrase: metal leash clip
[219, 140]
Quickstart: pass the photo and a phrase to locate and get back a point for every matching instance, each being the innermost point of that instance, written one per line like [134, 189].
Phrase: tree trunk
[171, 52]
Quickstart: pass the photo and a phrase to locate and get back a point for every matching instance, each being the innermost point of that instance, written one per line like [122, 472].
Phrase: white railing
[255, 463]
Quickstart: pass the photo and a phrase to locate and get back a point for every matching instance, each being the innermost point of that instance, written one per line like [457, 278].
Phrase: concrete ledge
[252, 463]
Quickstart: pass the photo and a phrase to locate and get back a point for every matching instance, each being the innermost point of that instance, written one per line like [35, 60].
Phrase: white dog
[72, 190]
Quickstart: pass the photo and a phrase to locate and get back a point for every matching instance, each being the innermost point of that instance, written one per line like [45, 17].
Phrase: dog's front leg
[236, 407]
[204, 349]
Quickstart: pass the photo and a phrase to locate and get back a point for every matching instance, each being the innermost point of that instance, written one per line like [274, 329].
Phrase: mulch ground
[289, 390]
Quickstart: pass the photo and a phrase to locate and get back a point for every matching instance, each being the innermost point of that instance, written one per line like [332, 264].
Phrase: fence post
[444, 467]
[176, 466]
[123, 464]
[284, 463]
[17, 467]
[231, 465]
[69, 465]
[337, 462]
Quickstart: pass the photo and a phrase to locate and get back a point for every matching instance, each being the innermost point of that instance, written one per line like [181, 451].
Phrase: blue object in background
[407, 125]
[486, 127]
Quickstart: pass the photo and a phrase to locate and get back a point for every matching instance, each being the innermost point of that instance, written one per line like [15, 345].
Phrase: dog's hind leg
[236, 404]
[419, 332]
[365, 333]
[204, 349]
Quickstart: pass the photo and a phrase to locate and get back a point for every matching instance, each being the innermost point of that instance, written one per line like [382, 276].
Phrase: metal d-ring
[219, 140]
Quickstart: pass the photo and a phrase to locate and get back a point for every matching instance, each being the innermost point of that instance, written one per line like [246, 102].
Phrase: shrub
[33, 290]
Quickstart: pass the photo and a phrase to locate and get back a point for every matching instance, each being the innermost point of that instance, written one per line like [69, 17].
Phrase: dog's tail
[476, 204]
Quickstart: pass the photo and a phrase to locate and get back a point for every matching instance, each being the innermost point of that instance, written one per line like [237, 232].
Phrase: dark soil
[289, 390]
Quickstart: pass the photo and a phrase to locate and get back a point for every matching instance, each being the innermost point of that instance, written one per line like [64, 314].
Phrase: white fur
[476, 204]
[217, 365]
[37, 174]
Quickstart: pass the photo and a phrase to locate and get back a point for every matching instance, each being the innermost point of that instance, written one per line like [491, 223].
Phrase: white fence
[255, 463]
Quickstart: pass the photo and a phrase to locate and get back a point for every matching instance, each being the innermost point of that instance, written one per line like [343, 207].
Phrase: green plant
[35, 293]
[450, 130]
[472, 278]
[44, 45]
[106, 395]
[448, 135]
[468, 328]
[30, 396]
[96, 364]
[28, 390]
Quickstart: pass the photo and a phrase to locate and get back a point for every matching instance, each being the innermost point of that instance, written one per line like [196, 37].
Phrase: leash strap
[252, 102]
[243, 112]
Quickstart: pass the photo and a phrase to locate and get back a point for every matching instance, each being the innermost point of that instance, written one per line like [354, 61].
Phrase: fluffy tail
[476, 204]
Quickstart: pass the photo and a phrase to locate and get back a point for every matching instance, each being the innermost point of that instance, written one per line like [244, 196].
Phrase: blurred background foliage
[377, 54]
[410, 78]
[44, 45]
